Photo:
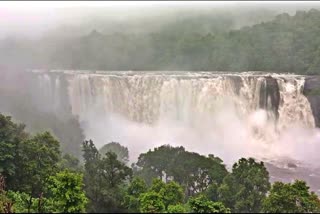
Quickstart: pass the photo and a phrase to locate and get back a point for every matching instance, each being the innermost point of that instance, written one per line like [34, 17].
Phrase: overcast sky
[36, 17]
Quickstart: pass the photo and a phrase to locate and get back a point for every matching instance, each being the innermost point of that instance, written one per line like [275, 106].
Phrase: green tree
[157, 185]
[67, 192]
[212, 192]
[121, 151]
[245, 188]
[21, 203]
[11, 135]
[104, 180]
[172, 194]
[191, 170]
[71, 163]
[151, 202]
[178, 208]
[136, 187]
[113, 171]
[291, 198]
[37, 160]
[201, 204]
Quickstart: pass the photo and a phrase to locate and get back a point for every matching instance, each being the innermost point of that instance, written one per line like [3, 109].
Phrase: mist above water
[224, 135]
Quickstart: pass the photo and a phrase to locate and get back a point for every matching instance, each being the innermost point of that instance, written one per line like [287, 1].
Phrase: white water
[204, 112]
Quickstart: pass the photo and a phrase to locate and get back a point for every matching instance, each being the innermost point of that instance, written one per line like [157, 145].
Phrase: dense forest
[287, 43]
[36, 178]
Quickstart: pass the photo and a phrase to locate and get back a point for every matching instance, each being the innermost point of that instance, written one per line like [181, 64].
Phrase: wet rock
[312, 92]
[270, 91]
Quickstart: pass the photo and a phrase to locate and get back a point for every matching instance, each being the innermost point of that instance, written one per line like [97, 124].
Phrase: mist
[38, 19]
[225, 134]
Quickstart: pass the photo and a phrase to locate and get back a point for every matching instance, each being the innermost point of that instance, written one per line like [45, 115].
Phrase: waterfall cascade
[148, 96]
[251, 106]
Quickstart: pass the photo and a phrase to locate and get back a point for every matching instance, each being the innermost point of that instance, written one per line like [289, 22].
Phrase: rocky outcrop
[270, 96]
[312, 92]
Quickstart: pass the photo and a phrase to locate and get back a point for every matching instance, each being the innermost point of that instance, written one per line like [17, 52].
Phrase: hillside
[287, 43]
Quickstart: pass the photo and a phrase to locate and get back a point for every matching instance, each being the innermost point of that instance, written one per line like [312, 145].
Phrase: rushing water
[227, 114]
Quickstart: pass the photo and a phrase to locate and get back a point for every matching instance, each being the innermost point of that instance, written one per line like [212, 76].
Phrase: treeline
[285, 44]
[36, 178]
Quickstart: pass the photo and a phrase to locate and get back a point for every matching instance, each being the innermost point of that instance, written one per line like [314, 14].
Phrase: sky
[36, 17]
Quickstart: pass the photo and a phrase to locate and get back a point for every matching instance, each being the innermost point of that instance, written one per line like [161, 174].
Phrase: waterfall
[148, 97]
[254, 108]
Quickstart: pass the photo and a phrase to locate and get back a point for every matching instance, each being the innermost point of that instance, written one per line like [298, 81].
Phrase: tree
[172, 194]
[158, 161]
[37, 160]
[92, 180]
[245, 188]
[104, 180]
[21, 203]
[11, 135]
[67, 193]
[113, 171]
[5, 203]
[178, 208]
[121, 151]
[151, 202]
[212, 192]
[191, 170]
[201, 204]
[71, 163]
[136, 187]
[291, 198]
[157, 185]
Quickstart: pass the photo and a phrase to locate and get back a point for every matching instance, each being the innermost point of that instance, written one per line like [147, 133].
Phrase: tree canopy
[165, 179]
[291, 198]
[121, 151]
[286, 43]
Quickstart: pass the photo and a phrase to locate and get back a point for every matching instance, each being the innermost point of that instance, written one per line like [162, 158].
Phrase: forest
[286, 43]
[37, 177]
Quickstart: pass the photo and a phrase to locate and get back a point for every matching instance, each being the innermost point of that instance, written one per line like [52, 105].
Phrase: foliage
[212, 192]
[191, 170]
[37, 159]
[121, 151]
[104, 178]
[201, 204]
[178, 208]
[113, 171]
[42, 181]
[11, 135]
[21, 203]
[291, 198]
[136, 187]
[5, 202]
[71, 163]
[287, 43]
[151, 202]
[172, 194]
[67, 192]
[245, 188]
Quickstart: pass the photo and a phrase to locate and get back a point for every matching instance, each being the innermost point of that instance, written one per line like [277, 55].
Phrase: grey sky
[35, 17]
